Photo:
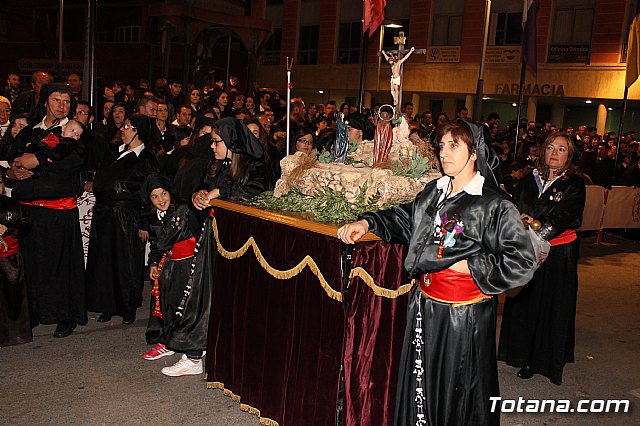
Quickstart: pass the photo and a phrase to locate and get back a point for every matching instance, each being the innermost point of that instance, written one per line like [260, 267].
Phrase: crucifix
[396, 58]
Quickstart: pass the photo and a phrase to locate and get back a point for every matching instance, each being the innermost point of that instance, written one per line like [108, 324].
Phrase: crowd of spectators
[182, 119]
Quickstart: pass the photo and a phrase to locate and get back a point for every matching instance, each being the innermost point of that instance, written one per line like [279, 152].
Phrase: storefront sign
[31, 65]
[530, 89]
[436, 54]
[569, 53]
[502, 54]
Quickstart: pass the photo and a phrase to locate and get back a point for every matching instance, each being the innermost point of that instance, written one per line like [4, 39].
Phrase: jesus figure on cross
[396, 71]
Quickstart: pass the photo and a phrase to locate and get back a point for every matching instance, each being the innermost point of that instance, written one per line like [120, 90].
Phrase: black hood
[202, 147]
[46, 91]
[238, 138]
[143, 124]
[155, 181]
[488, 162]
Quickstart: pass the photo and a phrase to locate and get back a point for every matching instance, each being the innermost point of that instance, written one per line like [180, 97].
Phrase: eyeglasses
[129, 126]
[82, 113]
[305, 142]
[217, 141]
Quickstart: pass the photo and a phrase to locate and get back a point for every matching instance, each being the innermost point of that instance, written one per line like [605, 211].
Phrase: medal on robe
[446, 231]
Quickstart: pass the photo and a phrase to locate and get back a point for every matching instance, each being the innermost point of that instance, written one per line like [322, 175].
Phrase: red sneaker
[157, 352]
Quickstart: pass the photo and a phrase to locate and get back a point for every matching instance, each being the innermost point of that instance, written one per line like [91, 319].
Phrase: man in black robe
[52, 251]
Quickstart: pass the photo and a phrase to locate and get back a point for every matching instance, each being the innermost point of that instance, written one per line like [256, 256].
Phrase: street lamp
[387, 24]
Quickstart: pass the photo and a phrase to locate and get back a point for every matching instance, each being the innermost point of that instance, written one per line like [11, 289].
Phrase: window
[128, 34]
[573, 26]
[104, 36]
[308, 50]
[349, 43]
[271, 54]
[506, 28]
[447, 30]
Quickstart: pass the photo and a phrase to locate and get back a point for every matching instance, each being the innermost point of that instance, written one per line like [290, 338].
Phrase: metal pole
[622, 113]
[477, 105]
[88, 74]
[379, 60]
[523, 74]
[228, 60]
[60, 34]
[363, 69]
[289, 66]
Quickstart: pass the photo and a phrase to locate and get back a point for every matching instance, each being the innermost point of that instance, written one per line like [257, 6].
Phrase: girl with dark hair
[303, 140]
[174, 228]
[538, 324]
[194, 101]
[115, 121]
[467, 244]
[219, 101]
[115, 263]
[237, 173]
[17, 123]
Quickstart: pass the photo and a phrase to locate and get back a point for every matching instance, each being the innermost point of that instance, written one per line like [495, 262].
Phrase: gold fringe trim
[243, 407]
[307, 261]
[281, 275]
[377, 290]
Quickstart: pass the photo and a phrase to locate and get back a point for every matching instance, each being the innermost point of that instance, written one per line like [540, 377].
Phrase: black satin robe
[179, 224]
[189, 331]
[115, 262]
[538, 324]
[52, 250]
[15, 326]
[458, 354]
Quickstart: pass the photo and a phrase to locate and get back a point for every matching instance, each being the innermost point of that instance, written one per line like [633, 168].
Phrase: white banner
[593, 208]
[622, 209]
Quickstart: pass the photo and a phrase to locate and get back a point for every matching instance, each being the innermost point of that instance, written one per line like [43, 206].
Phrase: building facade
[581, 48]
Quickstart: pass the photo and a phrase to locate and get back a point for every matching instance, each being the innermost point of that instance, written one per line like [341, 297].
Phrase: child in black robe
[173, 231]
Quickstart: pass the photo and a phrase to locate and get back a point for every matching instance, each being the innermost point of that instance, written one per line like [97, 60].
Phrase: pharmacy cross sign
[396, 59]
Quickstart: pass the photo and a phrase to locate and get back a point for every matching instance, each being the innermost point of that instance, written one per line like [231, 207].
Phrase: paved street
[96, 376]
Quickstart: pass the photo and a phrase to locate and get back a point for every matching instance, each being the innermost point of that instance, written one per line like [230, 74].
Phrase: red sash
[12, 246]
[565, 238]
[183, 249]
[67, 203]
[450, 286]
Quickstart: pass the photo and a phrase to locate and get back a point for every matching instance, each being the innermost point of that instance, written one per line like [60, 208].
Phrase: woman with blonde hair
[538, 324]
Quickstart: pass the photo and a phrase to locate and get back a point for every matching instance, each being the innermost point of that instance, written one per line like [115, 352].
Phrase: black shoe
[64, 329]
[525, 373]
[104, 317]
[129, 319]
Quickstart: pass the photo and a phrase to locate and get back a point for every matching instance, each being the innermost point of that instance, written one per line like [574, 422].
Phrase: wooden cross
[396, 60]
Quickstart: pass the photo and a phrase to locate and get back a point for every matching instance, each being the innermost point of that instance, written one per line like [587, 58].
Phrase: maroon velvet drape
[374, 334]
[278, 344]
